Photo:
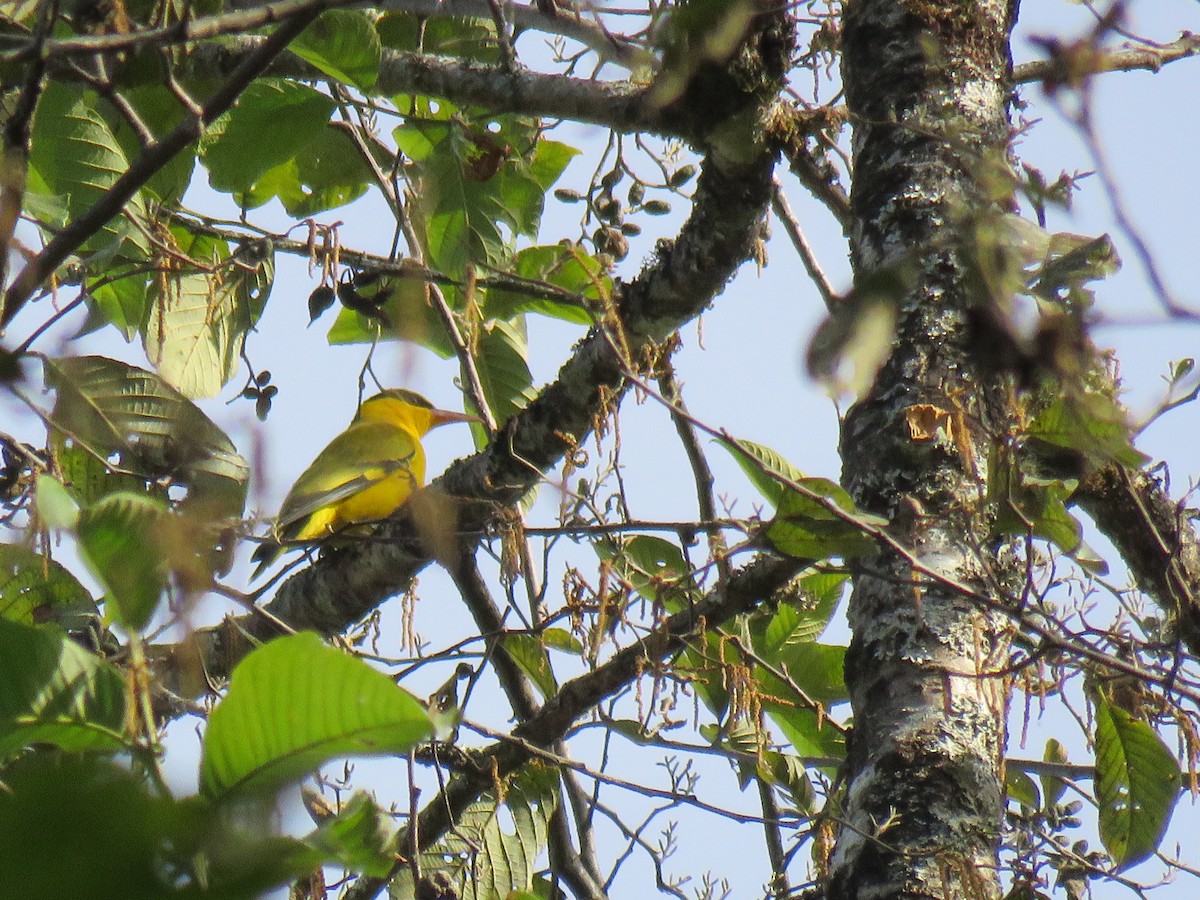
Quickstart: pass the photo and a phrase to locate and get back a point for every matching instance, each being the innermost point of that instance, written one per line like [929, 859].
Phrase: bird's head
[408, 410]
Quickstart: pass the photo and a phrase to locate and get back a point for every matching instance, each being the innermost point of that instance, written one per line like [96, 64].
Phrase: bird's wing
[359, 457]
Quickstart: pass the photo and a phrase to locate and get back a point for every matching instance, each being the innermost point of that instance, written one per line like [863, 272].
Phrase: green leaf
[326, 173]
[1137, 785]
[120, 303]
[117, 409]
[764, 467]
[475, 179]
[473, 39]
[807, 733]
[550, 160]
[344, 45]
[530, 655]
[816, 669]
[356, 838]
[805, 528]
[1022, 788]
[35, 589]
[160, 111]
[653, 567]
[805, 614]
[88, 478]
[272, 122]
[1073, 261]
[79, 826]
[562, 640]
[788, 772]
[198, 321]
[1027, 504]
[126, 539]
[1091, 424]
[53, 691]
[705, 674]
[74, 155]
[409, 317]
[568, 267]
[495, 845]
[293, 705]
[503, 370]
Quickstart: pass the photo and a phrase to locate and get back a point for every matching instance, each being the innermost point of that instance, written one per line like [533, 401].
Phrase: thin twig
[783, 209]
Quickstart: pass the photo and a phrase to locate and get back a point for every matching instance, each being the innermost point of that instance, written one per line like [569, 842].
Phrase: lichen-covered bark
[926, 87]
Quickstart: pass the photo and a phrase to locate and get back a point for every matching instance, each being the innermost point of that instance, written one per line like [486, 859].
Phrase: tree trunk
[927, 89]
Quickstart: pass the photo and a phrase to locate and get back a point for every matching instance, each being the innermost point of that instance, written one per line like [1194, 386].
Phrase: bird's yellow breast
[366, 473]
[388, 493]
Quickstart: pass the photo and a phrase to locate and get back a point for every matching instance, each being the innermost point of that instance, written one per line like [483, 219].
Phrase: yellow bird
[366, 473]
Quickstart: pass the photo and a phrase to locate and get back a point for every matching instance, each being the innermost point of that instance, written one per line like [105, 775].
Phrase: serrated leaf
[125, 539]
[787, 771]
[273, 121]
[160, 111]
[806, 617]
[1092, 424]
[807, 733]
[484, 857]
[35, 589]
[344, 45]
[475, 179]
[1137, 785]
[570, 268]
[442, 36]
[653, 566]
[294, 704]
[816, 669]
[53, 691]
[86, 477]
[326, 173]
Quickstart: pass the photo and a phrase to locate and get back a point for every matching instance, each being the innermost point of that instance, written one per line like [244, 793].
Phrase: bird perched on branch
[366, 473]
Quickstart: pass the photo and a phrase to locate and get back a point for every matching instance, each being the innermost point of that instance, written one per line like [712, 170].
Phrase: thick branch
[256, 15]
[1155, 537]
[731, 197]
[1071, 68]
[619, 105]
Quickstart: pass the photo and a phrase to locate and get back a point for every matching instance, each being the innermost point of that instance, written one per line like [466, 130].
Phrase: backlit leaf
[296, 703]
[1137, 785]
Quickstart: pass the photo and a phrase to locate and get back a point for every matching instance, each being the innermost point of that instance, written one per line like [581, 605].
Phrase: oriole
[366, 473]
